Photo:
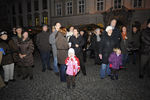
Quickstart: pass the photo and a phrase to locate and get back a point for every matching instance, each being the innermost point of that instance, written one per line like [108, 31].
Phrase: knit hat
[71, 51]
[3, 32]
[108, 28]
[148, 21]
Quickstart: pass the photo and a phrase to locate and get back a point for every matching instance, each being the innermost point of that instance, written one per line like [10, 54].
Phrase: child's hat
[3, 33]
[71, 51]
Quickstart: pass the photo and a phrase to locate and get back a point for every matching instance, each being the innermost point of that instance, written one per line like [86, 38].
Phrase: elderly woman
[106, 48]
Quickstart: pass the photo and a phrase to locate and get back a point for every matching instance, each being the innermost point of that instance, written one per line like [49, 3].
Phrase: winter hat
[108, 28]
[71, 51]
[148, 21]
[3, 32]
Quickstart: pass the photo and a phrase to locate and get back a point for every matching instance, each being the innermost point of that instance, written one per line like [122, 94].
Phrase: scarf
[124, 35]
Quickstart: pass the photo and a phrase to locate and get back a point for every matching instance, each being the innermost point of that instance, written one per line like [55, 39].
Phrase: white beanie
[71, 51]
[108, 28]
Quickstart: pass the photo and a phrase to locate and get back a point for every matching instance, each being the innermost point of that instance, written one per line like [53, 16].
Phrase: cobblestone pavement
[47, 86]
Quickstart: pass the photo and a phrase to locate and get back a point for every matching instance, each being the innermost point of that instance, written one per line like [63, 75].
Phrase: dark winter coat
[115, 61]
[62, 47]
[107, 45]
[135, 40]
[116, 34]
[79, 40]
[145, 41]
[42, 41]
[94, 43]
[10, 50]
[26, 48]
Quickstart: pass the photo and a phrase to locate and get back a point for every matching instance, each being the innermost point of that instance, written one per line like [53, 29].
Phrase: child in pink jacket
[73, 67]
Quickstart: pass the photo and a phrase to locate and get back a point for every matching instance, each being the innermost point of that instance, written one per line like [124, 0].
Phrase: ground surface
[47, 86]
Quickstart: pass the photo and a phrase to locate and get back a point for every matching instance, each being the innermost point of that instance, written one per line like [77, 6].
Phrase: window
[81, 6]
[29, 20]
[137, 4]
[117, 4]
[100, 5]
[36, 5]
[20, 8]
[21, 21]
[37, 21]
[69, 8]
[29, 6]
[44, 4]
[14, 21]
[13, 10]
[58, 9]
[45, 20]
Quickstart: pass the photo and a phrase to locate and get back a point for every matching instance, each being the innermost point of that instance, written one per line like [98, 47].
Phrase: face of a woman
[25, 35]
[113, 23]
[110, 32]
[75, 32]
[124, 29]
[4, 37]
[134, 29]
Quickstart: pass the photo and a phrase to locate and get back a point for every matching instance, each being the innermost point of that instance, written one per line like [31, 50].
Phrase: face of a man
[58, 26]
[4, 37]
[19, 31]
[113, 23]
[45, 28]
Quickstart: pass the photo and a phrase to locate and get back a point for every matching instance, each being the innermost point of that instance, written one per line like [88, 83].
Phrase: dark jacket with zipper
[106, 46]
[80, 41]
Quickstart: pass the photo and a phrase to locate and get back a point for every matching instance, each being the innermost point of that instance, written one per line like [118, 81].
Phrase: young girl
[73, 67]
[115, 61]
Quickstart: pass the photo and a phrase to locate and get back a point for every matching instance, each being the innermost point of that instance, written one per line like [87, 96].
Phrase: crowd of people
[109, 48]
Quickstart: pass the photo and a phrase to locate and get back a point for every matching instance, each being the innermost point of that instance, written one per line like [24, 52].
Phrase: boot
[112, 77]
[116, 76]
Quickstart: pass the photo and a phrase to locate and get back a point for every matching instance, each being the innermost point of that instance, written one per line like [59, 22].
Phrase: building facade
[77, 12]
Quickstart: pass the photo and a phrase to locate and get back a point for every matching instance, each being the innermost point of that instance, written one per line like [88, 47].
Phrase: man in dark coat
[145, 51]
[42, 42]
[77, 43]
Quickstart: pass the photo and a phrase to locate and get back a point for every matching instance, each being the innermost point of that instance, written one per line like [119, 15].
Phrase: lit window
[69, 7]
[100, 5]
[45, 20]
[81, 6]
[37, 22]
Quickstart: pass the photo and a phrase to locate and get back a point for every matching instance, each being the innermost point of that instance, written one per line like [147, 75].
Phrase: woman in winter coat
[7, 63]
[77, 43]
[106, 48]
[62, 53]
[26, 49]
[124, 46]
